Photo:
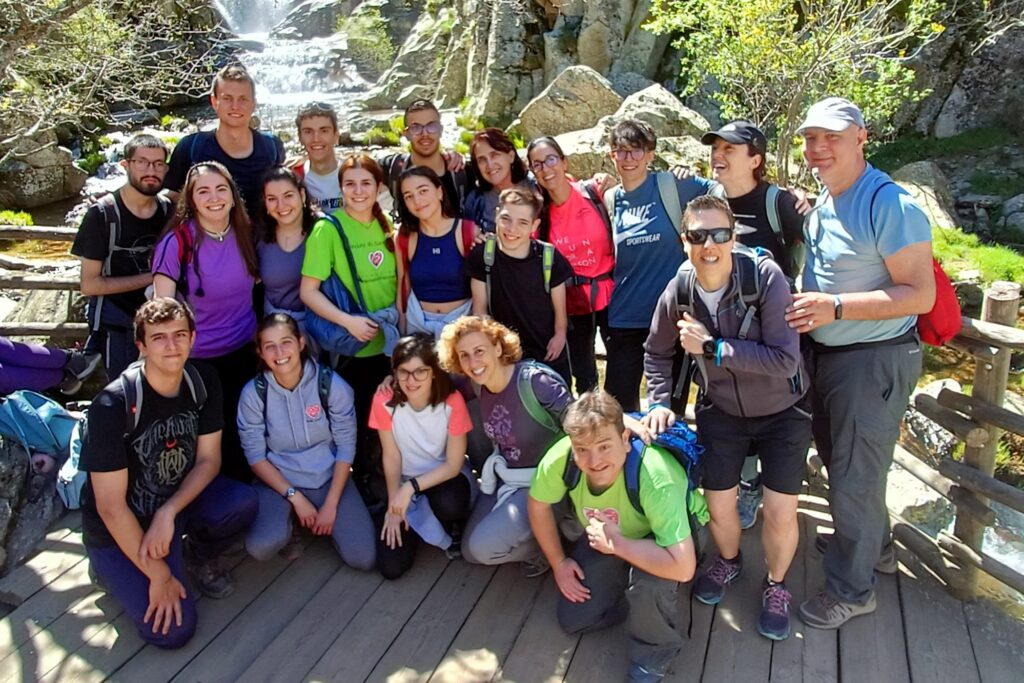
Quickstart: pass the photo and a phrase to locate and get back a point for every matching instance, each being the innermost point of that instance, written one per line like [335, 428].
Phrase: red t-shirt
[578, 231]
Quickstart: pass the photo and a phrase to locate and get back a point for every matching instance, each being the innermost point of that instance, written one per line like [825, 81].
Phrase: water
[252, 16]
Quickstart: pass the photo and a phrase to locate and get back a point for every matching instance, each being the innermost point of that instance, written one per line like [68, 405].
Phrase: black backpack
[131, 384]
[324, 377]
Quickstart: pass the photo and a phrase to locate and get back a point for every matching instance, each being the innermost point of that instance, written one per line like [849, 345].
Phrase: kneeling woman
[521, 406]
[298, 433]
[422, 422]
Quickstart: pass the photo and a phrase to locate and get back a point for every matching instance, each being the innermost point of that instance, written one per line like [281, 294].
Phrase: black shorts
[780, 441]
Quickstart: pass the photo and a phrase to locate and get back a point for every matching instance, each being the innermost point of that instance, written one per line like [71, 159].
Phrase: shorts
[780, 440]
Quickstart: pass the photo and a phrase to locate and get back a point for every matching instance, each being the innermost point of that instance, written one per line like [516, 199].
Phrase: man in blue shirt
[646, 222]
[867, 277]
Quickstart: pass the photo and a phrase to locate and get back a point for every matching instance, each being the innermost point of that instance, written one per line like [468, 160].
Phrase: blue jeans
[224, 509]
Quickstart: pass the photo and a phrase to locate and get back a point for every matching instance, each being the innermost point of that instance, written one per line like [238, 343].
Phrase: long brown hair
[419, 345]
[410, 223]
[366, 162]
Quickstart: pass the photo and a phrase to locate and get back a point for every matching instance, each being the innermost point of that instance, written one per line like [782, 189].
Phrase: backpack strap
[468, 231]
[749, 286]
[771, 212]
[131, 385]
[631, 470]
[871, 205]
[395, 169]
[350, 258]
[194, 381]
[402, 245]
[260, 383]
[670, 199]
[547, 262]
[186, 252]
[490, 249]
[112, 217]
[590, 192]
[571, 473]
[524, 386]
[324, 379]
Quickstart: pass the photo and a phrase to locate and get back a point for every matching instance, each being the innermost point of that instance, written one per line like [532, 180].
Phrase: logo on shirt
[313, 411]
[611, 514]
[376, 258]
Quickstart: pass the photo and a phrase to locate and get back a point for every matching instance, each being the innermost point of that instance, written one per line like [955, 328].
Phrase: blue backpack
[38, 423]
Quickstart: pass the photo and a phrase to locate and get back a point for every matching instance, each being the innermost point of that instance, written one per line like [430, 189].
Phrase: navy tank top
[436, 271]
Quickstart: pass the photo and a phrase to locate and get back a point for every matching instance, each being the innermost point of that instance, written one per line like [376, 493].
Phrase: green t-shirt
[375, 264]
[662, 494]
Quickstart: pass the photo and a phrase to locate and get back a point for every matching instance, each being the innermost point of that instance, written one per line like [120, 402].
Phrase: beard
[145, 188]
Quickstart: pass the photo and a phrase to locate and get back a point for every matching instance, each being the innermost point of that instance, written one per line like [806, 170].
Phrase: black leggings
[450, 502]
[364, 375]
[234, 369]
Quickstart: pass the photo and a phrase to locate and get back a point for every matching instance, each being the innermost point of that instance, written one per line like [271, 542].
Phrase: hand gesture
[811, 310]
[601, 533]
[156, 542]
[323, 525]
[658, 419]
[555, 346]
[569, 577]
[391, 532]
[165, 596]
[304, 510]
[399, 503]
[692, 334]
[453, 161]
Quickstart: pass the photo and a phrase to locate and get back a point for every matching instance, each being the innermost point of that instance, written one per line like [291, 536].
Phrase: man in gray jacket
[726, 309]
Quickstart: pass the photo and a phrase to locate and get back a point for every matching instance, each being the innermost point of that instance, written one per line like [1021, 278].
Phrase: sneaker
[96, 581]
[824, 611]
[454, 551]
[748, 503]
[535, 566]
[212, 580]
[888, 562]
[293, 549]
[774, 620]
[710, 586]
[77, 368]
[640, 674]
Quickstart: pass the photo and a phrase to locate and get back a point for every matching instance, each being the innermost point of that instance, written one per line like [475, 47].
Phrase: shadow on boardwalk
[316, 620]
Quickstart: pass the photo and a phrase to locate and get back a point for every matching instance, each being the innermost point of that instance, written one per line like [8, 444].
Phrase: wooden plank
[60, 550]
[293, 652]
[601, 656]
[998, 641]
[485, 640]
[46, 282]
[983, 561]
[965, 501]
[231, 651]
[63, 330]
[788, 655]
[983, 484]
[37, 232]
[737, 651]
[993, 333]
[820, 648]
[880, 634]
[429, 633]
[938, 641]
[695, 619]
[368, 636]
[965, 429]
[543, 651]
[982, 411]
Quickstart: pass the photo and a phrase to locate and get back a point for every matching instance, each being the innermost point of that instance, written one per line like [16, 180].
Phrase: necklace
[219, 236]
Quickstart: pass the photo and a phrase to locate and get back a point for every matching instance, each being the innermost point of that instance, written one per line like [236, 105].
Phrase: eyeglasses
[700, 236]
[419, 374]
[624, 154]
[146, 164]
[550, 161]
[416, 129]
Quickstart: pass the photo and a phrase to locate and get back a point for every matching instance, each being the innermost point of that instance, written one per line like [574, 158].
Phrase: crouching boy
[628, 562]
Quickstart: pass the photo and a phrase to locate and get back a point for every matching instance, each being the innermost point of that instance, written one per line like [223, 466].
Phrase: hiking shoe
[710, 586]
[212, 580]
[454, 551]
[640, 674]
[293, 549]
[96, 581]
[77, 368]
[774, 620]
[748, 503]
[824, 611]
[535, 566]
[888, 562]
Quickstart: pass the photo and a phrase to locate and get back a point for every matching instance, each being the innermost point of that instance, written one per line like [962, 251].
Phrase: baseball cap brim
[834, 124]
[729, 136]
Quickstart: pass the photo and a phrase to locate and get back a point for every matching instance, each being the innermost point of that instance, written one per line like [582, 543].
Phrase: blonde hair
[496, 333]
[590, 412]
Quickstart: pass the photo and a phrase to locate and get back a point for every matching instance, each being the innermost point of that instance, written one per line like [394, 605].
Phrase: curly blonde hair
[496, 333]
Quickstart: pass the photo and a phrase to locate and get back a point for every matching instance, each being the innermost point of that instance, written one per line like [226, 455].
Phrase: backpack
[943, 322]
[524, 387]
[398, 164]
[667, 192]
[38, 423]
[324, 377]
[402, 243]
[186, 252]
[70, 479]
[490, 251]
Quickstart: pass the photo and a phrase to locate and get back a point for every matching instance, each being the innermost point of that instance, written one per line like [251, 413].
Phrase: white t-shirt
[712, 299]
[324, 189]
[421, 435]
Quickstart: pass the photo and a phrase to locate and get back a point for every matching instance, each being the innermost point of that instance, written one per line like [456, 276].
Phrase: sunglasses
[432, 128]
[550, 161]
[625, 154]
[700, 236]
[419, 374]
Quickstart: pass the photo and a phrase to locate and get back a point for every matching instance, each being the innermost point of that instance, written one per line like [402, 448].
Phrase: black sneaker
[77, 368]
[211, 578]
[454, 551]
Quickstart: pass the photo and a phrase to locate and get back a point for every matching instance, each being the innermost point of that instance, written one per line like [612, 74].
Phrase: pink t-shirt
[579, 233]
[421, 435]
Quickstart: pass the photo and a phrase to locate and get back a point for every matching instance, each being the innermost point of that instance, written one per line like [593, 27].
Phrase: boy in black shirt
[153, 476]
[520, 282]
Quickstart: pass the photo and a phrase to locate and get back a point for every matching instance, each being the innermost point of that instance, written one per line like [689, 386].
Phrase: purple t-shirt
[281, 272]
[224, 317]
[520, 439]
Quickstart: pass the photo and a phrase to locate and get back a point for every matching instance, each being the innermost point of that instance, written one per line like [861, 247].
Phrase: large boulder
[40, 174]
[926, 182]
[611, 38]
[587, 152]
[312, 19]
[575, 100]
[661, 110]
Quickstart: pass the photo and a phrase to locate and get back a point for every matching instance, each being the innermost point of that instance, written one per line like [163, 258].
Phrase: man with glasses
[423, 131]
[646, 219]
[115, 243]
[726, 310]
[318, 132]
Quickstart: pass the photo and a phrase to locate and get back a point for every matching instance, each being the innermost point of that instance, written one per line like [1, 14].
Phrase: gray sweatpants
[353, 534]
[619, 591]
[496, 535]
[859, 397]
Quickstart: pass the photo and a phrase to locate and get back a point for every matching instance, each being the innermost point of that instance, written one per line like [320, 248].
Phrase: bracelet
[415, 485]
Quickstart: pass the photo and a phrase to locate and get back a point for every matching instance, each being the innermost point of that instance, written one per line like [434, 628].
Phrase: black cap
[739, 133]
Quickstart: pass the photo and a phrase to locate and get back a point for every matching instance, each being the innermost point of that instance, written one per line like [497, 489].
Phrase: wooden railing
[17, 280]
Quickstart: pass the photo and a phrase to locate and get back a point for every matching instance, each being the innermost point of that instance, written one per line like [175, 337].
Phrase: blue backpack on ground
[38, 423]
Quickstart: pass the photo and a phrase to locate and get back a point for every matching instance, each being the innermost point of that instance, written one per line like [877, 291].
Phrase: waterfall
[253, 16]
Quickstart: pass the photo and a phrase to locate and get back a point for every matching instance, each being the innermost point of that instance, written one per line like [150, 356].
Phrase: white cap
[832, 113]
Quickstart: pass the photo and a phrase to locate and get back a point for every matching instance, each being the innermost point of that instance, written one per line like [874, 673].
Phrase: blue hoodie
[298, 438]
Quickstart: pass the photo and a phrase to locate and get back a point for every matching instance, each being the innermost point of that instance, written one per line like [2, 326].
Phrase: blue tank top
[436, 271]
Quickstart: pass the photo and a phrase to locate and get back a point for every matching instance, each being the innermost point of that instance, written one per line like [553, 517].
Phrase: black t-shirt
[135, 238]
[518, 299]
[267, 151]
[158, 454]
[749, 209]
[456, 185]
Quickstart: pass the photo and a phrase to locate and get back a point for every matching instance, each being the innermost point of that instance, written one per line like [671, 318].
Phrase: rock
[575, 100]
[985, 201]
[41, 174]
[560, 46]
[926, 182]
[611, 38]
[136, 117]
[311, 19]
[641, 50]
[587, 152]
[361, 122]
[663, 111]
[917, 503]
[13, 467]
[1015, 221]
[1013, 205]
[451, 86]
[681, 151]
[629, 82]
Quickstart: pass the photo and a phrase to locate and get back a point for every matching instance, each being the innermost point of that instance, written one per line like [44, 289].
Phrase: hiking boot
[710, 586]
[212, 579]
[888, 562]
[640, 674]
[77, 368]
[748, 503]
[454, 551]
[535, 566]
[774, 620]
[96, 581]
[825, 612]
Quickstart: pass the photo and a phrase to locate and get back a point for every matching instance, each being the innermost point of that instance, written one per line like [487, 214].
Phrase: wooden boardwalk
[316, 620]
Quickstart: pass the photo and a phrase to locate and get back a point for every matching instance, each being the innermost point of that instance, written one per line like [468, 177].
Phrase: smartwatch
[289, 493]
[710, 349]
[837, 305]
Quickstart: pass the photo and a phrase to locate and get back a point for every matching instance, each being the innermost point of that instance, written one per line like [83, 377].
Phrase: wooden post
[1002, 301]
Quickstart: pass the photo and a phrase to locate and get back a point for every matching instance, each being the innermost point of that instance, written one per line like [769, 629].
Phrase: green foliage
[12, 217]
[958, 251]
[90, 162]
[1002, 185]
[166, 120]
[518, 141]
[891, 155]
[773, 58]
[369, 44]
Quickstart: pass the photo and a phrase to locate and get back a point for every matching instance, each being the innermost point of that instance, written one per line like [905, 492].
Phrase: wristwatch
[837, 304]
[289, 493]
[415, 485]
[710, 348]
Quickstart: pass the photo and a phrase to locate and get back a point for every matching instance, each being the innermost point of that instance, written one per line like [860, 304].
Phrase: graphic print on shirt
[166, 451]
[636, 221]
[498, 427]
[611, 514]
[376, 258]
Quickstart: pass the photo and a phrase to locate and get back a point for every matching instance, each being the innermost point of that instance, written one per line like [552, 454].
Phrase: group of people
[454, 423]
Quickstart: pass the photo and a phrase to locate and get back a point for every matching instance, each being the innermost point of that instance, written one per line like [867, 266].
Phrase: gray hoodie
[299, 439]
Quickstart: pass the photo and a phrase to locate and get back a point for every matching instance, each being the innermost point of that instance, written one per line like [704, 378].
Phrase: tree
[63, 62]
[772, 58]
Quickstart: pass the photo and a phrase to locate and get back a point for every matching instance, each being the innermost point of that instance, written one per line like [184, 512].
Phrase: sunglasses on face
[419, 374]
[550, 161]
[700, 236]
[624, 154]
[432, 128]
